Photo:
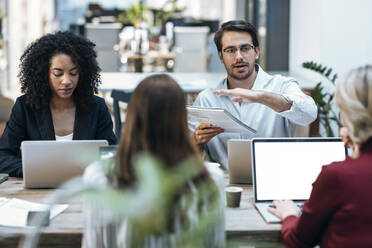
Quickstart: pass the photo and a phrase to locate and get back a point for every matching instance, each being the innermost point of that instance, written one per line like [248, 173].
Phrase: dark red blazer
[339, 211]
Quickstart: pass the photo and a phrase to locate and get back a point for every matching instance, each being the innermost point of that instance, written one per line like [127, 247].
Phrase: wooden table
[243, 224]
[246, 225]
[65, 230]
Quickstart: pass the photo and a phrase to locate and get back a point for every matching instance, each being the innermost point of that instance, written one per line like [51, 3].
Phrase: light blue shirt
[266, 121]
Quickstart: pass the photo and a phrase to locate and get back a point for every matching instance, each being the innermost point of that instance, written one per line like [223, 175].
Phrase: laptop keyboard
[300, 205]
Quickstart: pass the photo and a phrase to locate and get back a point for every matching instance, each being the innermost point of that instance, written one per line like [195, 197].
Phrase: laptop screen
[107, 152]
[286, 168]
[49, 163]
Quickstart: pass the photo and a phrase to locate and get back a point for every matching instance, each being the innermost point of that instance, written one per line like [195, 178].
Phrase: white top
[99, 232]
[263, 119]
[65, 138]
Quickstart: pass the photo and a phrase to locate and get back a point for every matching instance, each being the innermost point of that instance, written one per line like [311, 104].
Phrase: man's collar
[224, 84]
[261, 78]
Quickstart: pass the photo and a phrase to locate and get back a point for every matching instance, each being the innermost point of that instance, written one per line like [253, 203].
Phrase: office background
[336, 33]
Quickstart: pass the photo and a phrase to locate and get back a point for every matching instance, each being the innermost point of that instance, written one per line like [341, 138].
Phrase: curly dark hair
[35, 63]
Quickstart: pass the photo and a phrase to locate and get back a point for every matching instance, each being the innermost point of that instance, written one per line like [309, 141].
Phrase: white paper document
[218, 117]
[13, 212]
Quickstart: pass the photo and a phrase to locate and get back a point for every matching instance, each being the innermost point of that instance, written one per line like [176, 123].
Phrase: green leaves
[149, 204]
[135, 15]
[323, 70]
[323, 99]
[139, 13]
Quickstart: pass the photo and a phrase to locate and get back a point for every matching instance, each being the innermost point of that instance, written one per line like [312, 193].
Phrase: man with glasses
[271, 104]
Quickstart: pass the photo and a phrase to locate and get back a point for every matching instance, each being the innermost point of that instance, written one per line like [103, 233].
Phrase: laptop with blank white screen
[49, 163]
[285, 168]
[240, 161]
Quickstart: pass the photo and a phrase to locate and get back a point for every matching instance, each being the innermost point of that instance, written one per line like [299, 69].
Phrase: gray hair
[354, 99]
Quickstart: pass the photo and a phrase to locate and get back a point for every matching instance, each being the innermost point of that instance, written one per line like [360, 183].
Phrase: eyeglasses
[244, 50]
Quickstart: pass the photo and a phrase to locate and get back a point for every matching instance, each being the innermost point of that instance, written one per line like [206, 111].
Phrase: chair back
[119, 96]
[6, 106]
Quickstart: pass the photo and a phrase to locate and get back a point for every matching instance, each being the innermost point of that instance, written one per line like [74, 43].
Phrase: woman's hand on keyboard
[284, 208]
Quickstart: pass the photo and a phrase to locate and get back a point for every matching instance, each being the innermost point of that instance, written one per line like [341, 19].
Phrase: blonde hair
[354, 99]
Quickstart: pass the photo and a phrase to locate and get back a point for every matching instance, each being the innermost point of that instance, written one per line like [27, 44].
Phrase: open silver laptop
[285, 168]
[47, 164]
[240, 161]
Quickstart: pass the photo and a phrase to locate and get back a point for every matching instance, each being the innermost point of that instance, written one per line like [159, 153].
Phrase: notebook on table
[285, 168]
[47, 164]
[240, 161]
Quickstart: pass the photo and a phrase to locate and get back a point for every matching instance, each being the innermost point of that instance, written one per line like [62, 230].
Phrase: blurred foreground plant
[145, 206]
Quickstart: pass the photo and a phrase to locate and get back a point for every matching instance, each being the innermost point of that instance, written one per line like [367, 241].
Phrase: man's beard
[239, 76]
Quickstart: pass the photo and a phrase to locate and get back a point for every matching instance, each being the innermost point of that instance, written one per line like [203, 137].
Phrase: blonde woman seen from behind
[338, 213]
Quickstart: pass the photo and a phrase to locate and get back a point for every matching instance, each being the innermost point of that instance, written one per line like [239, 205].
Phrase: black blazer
[27, 123]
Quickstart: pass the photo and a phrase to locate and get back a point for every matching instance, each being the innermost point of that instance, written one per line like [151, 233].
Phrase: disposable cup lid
[233, 189]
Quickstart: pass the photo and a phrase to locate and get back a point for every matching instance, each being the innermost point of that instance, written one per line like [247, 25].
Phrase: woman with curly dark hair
[59, 76]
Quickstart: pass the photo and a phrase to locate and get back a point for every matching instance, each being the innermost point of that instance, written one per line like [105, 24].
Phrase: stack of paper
[218, 117]
[14, 212]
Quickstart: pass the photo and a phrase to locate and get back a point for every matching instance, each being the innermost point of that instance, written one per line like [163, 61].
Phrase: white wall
[229, 10]
[304, 34]
[336, 33]
[347, 33]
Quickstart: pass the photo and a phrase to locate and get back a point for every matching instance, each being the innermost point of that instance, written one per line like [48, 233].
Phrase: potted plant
[324, 99]
[136, 15]
[166, 11]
